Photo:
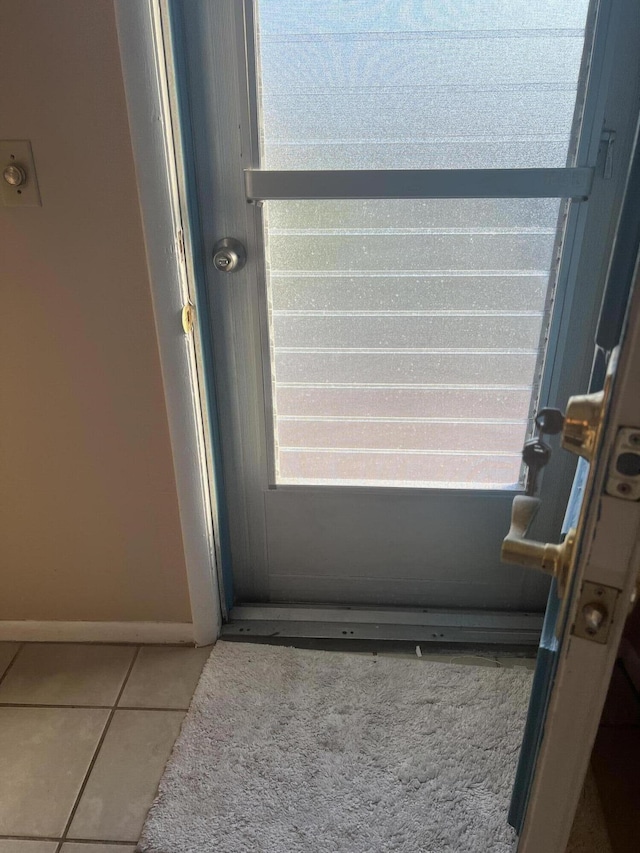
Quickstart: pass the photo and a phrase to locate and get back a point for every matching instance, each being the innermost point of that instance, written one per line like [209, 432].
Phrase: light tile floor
[85, 732]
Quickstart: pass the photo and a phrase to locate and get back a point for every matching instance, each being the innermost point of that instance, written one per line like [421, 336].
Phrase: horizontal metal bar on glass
[570, 183]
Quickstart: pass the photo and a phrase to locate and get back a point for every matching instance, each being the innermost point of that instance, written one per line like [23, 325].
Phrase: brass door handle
[545, 556]
[581, 432]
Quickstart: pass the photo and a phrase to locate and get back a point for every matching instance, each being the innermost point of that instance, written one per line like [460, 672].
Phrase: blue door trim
[620, 275]
[176, 11]
[545, 674]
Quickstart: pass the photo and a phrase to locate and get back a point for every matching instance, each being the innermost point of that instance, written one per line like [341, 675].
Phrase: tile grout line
[144, 708]
[11, 662]
[55, 705]
[28, 838]
[189, 645]
[89, 708]
[57, 840]
[93, 841]
[96, 753]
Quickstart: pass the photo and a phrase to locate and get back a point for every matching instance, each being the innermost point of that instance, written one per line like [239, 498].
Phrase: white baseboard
[97, 632]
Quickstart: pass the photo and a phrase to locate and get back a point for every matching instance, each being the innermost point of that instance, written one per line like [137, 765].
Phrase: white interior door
[427, 200]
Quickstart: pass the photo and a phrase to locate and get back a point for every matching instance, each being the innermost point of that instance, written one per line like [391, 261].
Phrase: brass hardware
[582, 424]
[188, 317]
[552, 559]
[581, 433]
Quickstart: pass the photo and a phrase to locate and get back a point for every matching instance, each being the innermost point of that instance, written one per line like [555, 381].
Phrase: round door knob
[229, 255]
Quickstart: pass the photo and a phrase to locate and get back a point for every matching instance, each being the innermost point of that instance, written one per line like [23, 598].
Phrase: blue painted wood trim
[176, 11]
[544, 677]
[620, 275]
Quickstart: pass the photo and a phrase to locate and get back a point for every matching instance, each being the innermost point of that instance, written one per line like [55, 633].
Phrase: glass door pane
[406, 338]
[399, 84]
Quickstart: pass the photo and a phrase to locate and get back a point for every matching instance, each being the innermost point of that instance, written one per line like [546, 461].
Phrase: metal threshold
[421, 625]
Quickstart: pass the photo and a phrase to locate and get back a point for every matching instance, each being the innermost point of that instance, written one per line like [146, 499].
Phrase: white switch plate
[18, 151]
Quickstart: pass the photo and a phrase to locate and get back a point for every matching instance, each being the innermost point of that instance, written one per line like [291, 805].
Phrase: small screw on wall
[624, 488]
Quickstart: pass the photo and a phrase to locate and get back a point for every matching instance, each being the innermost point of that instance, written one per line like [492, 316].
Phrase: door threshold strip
[421, 625]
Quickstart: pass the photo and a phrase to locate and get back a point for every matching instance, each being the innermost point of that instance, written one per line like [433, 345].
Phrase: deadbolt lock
[229, 255]
[582, 424]
[552, 559]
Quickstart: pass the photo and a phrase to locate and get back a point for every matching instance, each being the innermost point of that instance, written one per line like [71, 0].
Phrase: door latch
[596, 608]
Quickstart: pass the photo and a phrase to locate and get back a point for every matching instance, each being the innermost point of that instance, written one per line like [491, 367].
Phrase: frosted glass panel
[405, 337]
[399, 84]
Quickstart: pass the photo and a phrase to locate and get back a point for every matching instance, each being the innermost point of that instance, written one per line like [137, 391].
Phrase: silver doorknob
[229, 255]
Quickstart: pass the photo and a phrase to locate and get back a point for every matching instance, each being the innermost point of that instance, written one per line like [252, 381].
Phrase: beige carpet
[291, 751]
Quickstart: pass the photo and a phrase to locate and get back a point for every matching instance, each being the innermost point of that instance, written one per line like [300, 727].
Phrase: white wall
[89, 525]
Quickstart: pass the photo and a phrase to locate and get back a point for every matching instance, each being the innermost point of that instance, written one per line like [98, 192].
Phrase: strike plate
[599, 601]
[624, 471]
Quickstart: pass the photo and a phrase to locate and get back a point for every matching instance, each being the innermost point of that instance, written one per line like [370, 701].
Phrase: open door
[595, 568]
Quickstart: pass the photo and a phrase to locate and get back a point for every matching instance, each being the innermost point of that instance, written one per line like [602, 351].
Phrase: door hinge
[623, 480]
[596, 609]
[188, 317]
[607, 140]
